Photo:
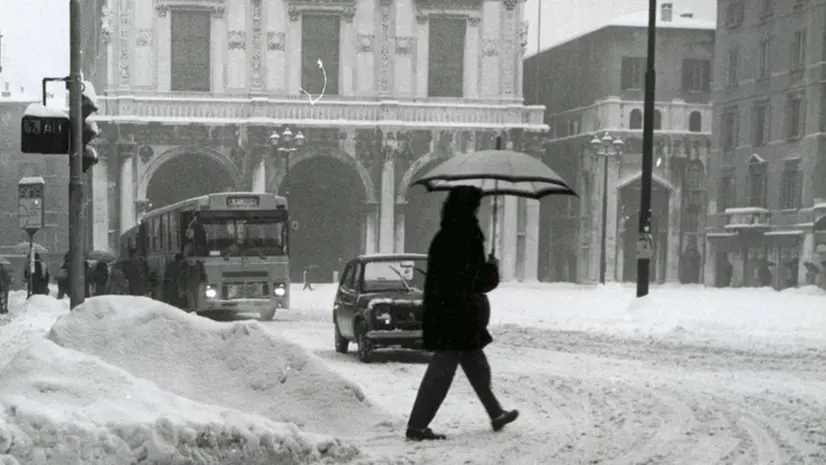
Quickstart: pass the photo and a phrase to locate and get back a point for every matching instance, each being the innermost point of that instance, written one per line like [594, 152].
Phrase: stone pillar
[508, 226]
[471, 65]
[365, 58]
[293, 47]
[100, 205]
[238, 42]
[709, 270]
[491, 48]
[808, 253]
[613, 248]
[348, 55]
[405, 44]
[422, 54]
[370, 227]
[145, 46]
[276, 55]
[163, 27]
[531, 259]
[672, 256]
[259, 176]
[218, 37]
[399, 231]
[387, 215]
[127, 193]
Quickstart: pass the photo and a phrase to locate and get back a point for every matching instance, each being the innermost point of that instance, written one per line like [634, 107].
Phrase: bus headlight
[210, 293]
[279, 290]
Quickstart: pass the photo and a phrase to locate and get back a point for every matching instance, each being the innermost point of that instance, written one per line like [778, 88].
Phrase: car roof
[391, 256]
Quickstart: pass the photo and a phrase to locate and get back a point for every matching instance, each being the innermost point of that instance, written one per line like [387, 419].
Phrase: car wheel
[365, 349]
[267, 315]
[342, 344]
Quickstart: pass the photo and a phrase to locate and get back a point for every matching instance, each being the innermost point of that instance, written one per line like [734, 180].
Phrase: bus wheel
[267, 315]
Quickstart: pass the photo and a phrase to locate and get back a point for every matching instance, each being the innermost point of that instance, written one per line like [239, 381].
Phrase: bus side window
[161, 233]
[173, 232]
[186, 243]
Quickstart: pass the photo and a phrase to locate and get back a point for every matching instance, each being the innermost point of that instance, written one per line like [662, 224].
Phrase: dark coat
[456, 309]
[40, 280]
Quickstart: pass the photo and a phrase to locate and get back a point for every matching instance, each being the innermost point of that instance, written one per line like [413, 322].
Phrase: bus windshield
[236, 237]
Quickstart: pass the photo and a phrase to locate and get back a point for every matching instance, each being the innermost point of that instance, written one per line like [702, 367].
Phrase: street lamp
[605, 147]
[286, 143]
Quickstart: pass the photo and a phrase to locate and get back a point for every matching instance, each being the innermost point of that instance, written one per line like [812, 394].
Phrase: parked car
[379, 303]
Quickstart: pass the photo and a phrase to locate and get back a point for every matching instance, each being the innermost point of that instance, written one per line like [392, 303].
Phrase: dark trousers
[438, 378]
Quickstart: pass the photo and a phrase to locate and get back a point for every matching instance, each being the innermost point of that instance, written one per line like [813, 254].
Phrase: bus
[232, 247]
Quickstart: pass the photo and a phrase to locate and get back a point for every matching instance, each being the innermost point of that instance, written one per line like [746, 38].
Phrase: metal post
[287, 174]
[603, 244]
[30, 286]
[644, 256]
[77, 270]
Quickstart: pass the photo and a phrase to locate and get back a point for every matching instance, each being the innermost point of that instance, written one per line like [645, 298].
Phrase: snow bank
[27, 321]
[62, 407]
[238, 365]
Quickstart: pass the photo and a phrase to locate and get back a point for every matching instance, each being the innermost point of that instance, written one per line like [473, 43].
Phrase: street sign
[30, 199]
[44, 130]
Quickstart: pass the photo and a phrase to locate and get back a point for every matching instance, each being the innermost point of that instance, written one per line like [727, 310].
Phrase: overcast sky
[36, 32]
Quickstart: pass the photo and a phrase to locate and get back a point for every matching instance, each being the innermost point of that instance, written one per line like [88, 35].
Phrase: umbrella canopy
[101, 256]
[497, 172]
[23, 248]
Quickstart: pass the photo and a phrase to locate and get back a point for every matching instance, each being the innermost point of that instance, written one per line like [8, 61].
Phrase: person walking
[101, 278]
[456, 314]
[40, 279]
[5, 286]
[308, 281]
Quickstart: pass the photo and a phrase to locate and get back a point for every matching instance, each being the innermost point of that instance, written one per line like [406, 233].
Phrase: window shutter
[627, 79]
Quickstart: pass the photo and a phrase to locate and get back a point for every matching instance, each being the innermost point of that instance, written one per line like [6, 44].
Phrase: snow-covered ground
[685, 376]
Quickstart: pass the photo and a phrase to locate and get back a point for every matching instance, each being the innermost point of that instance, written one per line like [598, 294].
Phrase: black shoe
[426, 434]
[508, 416]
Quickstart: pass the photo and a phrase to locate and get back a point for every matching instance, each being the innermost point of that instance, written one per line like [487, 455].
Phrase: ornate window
[727, 195]
[757, 182]
[693, 196]
[695, 122]
[446, 66]
[635, 119]
[320, 40]
[190, 53]
[790, 193]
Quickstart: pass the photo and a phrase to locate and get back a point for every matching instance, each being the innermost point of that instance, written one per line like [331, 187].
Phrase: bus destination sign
[242, 202]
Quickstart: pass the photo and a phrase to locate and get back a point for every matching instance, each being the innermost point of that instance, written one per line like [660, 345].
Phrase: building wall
[589, 71]
[787, 236]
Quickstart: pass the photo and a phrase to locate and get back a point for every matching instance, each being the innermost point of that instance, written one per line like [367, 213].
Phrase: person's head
[462, 203]
[36, 256]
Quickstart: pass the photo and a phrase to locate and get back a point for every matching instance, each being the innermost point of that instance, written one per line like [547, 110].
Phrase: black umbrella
[497, 172]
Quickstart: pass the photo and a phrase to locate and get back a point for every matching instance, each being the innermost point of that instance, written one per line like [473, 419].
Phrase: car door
[345, 301]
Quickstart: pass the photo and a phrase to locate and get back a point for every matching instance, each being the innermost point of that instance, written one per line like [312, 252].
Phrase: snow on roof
[32, 180]
[679, 20]
[40, 111]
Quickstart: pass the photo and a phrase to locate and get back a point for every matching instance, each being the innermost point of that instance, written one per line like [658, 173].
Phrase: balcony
[172, 109]
[750, 218]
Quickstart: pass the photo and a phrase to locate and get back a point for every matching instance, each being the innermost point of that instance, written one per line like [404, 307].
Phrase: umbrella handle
[495, 234]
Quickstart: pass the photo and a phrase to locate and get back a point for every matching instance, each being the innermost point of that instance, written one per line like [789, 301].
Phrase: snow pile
[27, 320]
[61, 407]
[238, 365]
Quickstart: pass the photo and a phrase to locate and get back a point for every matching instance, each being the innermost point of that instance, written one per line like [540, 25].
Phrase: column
[163, 29]
[370, 226]
[471, 65]
[100, 205]
[217, 46]
[293, 47]
[127, 194]
[144, 49]
[276, 37]
[531, 260]
[237, 42]
[348, 54]
[387, 219]
[422, 54]
[491, 47]
[405, 44]
[672, 266]
[259, 176]
[613, 249]
[508, 226]
[365, 57]
[399, 232]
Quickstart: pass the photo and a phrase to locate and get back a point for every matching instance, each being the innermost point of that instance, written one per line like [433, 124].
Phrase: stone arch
[276, 177]
[820, 224]
[157, 162]
[414, 169]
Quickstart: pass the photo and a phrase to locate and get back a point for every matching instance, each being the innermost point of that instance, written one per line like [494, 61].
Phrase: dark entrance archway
[187, 175]
[326, 202]
[629, 197]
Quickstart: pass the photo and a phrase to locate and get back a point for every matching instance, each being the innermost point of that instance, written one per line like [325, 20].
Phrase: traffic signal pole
[77, 269]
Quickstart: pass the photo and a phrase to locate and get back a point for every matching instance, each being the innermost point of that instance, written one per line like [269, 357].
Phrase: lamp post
[605, 147]
[286, 143]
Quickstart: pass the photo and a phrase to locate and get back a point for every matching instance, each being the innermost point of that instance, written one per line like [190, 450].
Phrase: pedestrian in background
[40, 279]
[456, 314]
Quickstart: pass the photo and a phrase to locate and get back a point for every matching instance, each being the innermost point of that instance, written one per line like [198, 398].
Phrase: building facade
[380, 89]
[767, 222]
[592, 86]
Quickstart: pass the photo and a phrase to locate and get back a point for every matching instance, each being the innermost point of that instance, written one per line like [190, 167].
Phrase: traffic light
[90, 128]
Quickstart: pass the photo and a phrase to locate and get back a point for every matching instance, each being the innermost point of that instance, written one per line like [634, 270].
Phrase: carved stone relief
[124, 27]
[218, 12]
[162, 10]
[275, 41]
[523, 37]
[386, 34]
[366, 42]
[474, 20]
[348, 14]
[404, 45]
[489, 48]
[143, 38]
[237, 40]
[257, 67]
[421, 17]
[294, 13]
[508, 52]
